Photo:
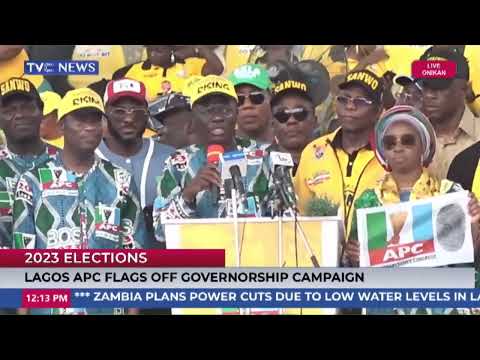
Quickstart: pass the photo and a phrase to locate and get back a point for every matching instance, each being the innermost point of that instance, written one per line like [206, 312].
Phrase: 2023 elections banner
[423, 233]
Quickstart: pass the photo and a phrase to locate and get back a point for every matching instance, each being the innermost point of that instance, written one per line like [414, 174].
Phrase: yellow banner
[261, 243]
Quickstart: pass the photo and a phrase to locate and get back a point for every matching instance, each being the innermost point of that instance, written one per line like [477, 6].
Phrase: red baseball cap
[117, 89]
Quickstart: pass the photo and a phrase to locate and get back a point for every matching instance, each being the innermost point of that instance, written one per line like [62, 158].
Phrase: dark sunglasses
[390, 141]
[256, 98]
[358, 102]
[299, 114]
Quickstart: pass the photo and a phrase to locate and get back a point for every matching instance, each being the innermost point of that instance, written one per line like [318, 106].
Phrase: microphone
[280, 165]
[213, 157]
[238, 185]
[234, 167]
[288, 187]
[232, 158]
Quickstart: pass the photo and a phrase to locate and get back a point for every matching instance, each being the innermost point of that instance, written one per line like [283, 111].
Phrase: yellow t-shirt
[236, 56]
[149, 133]
[110, 58]
[158, 81]
[472, 53]
[317, 53]
[321, 53]
[14, 67]
[400, 57]
[326, 171]
[58, 142]
[3, 139]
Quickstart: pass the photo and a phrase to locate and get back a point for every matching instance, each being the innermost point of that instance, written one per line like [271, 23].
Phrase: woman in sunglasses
[405, 145]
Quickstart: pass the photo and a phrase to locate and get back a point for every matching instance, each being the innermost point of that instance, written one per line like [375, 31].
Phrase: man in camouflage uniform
[184, 189]
[20, 119]
[78, 200]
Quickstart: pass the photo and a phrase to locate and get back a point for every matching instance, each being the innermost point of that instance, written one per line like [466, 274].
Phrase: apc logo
[61, 68]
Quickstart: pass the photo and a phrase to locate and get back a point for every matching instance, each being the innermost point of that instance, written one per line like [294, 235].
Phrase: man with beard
[126, 110]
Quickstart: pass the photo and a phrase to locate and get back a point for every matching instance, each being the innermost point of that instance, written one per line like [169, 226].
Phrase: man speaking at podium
[198, 179]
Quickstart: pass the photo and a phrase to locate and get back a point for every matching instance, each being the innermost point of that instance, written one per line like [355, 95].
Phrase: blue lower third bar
[10, 298]
[262, 298]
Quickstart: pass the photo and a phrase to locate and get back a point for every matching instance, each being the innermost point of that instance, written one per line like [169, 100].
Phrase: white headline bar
[295, 278]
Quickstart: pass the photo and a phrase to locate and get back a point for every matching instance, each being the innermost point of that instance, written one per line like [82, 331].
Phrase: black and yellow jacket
[327, 171]
[159, 80]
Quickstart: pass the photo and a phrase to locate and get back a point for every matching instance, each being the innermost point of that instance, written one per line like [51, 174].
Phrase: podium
[261, 242]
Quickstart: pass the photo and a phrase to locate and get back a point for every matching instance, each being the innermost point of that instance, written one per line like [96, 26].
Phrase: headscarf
[419, 122]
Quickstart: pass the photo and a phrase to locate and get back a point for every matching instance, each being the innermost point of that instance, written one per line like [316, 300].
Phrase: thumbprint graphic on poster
[451, 227]
[431, 232]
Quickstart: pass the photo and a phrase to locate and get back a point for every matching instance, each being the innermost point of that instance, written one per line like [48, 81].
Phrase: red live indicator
[46, 298]
[434, 69]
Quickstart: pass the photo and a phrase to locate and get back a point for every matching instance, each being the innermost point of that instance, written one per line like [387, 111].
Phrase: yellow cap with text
[209, 85]
[79, 99]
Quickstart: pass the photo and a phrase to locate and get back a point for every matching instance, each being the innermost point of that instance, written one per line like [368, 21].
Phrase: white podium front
[261, 242]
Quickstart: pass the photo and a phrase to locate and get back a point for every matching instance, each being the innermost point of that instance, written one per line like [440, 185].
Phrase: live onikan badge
[434, 69]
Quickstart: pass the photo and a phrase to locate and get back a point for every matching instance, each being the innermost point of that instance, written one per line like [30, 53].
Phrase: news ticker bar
[240, 298]
[244, 278]
[112, 258]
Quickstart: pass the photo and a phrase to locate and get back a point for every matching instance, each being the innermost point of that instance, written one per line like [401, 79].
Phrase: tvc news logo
[81, 67]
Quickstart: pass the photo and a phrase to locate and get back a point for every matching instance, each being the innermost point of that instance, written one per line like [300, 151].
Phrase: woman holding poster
[405, 145]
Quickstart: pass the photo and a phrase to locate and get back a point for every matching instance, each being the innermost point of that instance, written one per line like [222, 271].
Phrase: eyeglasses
[211, 110]
[121, 112]
[390, 141]
[358, 102]
[256, 98]
[299, 114]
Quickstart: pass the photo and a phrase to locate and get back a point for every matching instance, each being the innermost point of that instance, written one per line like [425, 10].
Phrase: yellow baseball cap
[211, 84]
[79, 99]
[188, 85]
[51, 100]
